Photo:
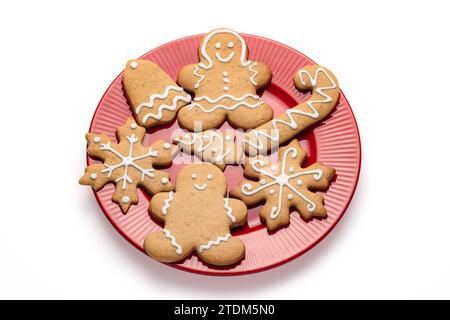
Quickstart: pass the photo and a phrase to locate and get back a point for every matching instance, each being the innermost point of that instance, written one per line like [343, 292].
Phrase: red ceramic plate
[334, 141]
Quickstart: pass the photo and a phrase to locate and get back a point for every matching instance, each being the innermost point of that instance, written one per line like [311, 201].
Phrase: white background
[392, 59]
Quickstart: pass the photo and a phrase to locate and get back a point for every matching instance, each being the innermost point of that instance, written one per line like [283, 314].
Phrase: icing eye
[230, 44]
[217, 45]
[209, 177]
[194, 176]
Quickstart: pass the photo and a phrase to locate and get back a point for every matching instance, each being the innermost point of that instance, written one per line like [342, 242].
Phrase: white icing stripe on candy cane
[127, 161]
[167, 202]
[275, 136]
[229, 210]
[229, 96]
[255, 73]
[200, 76]
[214, 242]
[220, 106]
[161, 108]
[173, 241]
[282, 179]
[205, 55]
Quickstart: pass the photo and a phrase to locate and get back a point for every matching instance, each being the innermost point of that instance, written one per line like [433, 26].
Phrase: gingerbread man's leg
[193, 118]
[222, 250]
[249, 118]
[167, 245]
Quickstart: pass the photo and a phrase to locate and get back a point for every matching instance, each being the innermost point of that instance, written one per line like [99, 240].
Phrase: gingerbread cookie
[153, 96]
[324, 97]
[197, 218]
[212, 146]
[284, 185]
[128, 164]
[225, 84]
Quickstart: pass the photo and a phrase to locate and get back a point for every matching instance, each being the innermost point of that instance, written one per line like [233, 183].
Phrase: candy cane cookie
[325, 96]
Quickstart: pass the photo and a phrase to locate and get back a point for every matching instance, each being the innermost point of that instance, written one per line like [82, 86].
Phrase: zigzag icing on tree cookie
[159, 112]
[152, 95]
[325, 96]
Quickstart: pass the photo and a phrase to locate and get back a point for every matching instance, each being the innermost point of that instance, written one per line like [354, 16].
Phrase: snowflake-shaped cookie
[128, 164]
[284, 185]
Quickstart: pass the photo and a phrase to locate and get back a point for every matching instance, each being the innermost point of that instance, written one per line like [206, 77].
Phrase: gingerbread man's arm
[262, 76]
[160, 205]
[190, 76]
[236, 211]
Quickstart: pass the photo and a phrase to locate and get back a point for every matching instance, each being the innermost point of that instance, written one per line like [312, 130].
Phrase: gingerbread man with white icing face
[197, 218]
[225, 85]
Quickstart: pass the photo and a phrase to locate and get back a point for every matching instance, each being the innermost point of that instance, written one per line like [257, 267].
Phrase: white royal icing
[133, 125]
[167, 202]
[274, 134]
[200, 76]
[128, 161]
[242, 58]
[166, 146]
[232, 107]
[226, 59]
[282, 180]
[254, 73]
[200, 187]
[133, 65]
[93, 176]
[209, 176]
[126, 199]
[161, 108]
[164, 180]
[229, 210]
[227, 96]
[173, 241]
[97, 139]
[214, 242]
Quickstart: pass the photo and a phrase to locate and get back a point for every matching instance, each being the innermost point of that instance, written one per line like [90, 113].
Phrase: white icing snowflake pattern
[128, 161]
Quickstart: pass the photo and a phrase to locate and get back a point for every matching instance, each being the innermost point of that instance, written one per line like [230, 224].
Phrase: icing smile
[219, 57]
[200, 187]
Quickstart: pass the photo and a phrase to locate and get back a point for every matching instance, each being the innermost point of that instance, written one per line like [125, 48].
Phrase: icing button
[133, 65]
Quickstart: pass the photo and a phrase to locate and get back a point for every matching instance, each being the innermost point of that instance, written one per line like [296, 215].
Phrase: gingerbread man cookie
[284, 185]
[225, 85]
[197, 218]
[128, 164]
[212, 146]
[153, 96]
[324, 97]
